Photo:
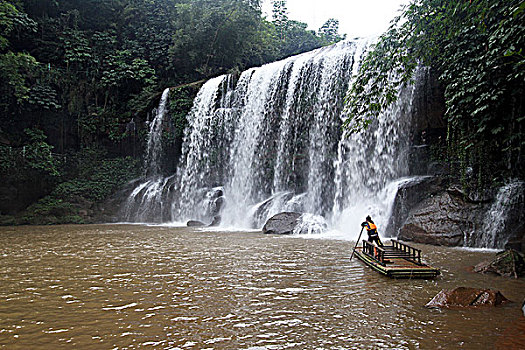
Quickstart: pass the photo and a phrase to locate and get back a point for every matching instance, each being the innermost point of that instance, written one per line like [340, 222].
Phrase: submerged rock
[282, 223]
[195, 223]
[508, 263]
[466, 297]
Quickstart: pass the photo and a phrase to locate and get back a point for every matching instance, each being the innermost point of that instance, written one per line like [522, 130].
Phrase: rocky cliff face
[432, 208]
[444, 218]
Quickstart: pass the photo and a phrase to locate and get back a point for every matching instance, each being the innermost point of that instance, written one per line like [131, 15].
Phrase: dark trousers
[375, 238]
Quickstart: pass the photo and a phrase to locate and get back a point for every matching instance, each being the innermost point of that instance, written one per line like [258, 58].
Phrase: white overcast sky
[357, 18]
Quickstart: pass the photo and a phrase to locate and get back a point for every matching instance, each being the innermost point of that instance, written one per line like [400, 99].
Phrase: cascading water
[272, 141]
[498, 224]
[146, 201]
[153, 156]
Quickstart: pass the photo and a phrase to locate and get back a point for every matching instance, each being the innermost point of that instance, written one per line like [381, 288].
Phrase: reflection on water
[120, 286]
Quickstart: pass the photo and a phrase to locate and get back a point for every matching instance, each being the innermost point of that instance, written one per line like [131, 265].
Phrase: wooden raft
[397, 260]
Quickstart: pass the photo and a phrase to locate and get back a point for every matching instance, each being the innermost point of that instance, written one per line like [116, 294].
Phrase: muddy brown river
[133, 286]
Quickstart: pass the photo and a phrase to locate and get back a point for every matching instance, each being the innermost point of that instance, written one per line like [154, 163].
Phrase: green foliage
[37, 153]
[181, 101]
[11, 19]
[96, 178]
[47, 211]
[475, 47]
[34, 157]
[329, 31]
[293, 37]
[15, 68]
[7, 159]
[98, 183]
[280, 17]
[43, 96]
[77, 49]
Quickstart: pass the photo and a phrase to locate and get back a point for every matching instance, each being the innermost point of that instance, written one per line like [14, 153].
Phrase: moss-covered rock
[509, 263]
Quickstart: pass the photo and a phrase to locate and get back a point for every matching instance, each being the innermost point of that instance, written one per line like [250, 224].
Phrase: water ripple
[134, 286]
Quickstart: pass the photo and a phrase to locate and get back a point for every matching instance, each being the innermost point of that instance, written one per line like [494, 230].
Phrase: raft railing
[409, 252]
[374, 251]
[398, 250]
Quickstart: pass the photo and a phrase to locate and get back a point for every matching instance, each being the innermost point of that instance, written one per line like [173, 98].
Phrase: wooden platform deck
[397, 260]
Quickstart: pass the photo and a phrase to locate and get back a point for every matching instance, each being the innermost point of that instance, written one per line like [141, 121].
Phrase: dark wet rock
[195, 223]
[428, 105]
[217, 205]
[216, 221]
[262, 210]
[408, 196]
[443, 219]
[466, 297]
[517, 239]
[111, 210]
[509, 263]
[17, 195]
[282, 223]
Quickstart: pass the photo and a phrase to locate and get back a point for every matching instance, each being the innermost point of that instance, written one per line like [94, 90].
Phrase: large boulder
[444, 219]
[282, 223]
[508, 263]
[409, 194]
[263, 209]
[466, 297]
[426, 211]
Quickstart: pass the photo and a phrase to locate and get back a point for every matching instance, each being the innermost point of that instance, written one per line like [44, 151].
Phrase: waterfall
[146, 203]
[273, 141]
[500, 219]
[152, 160]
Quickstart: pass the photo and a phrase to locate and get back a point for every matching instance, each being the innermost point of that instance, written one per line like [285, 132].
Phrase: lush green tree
[476, 48]
[15, 67]
[299, 39]
[329, 31]
[280, 17]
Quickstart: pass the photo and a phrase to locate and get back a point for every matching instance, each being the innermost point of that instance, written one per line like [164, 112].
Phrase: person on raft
[371, 229]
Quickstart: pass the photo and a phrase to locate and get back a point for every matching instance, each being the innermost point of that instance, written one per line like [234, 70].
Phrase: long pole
[356, 243]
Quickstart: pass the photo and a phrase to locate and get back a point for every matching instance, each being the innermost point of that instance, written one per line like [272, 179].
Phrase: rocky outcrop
[428, 210]
[409, 195]
[466, 297]
[282, 223]
[509, 263]
[443, 219]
